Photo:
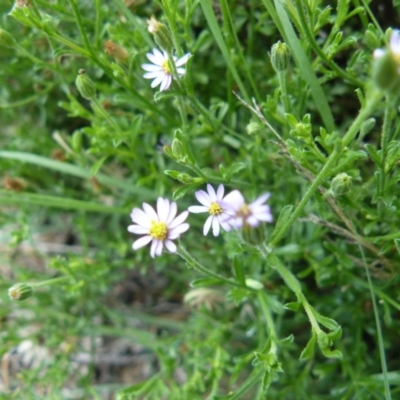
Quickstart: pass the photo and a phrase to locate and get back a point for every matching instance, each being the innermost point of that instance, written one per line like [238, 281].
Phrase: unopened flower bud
[85, 85]
[14, 184]
[177, 149]
[280, 56]
[385, 72]
[253, 127]
[116, 51]
[6, 40]
[253, 235]
[20, 291]
[252, 283]
[161, 33]
[341, 184]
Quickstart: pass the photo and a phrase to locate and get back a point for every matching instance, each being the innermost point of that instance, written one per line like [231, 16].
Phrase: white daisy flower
[216, 205]
[160, 228]
[160, 71]
[248, 214]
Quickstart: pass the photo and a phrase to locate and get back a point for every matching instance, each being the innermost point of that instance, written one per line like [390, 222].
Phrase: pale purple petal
[207, 225]
[149, 210]
[220, 192]
[222, 221]
[233, 200]
[252, 220]
[177, 231]
[166, 82]
[395, 42]
[140, 217]
[261, 200]
[183, 60]
[171, 246]
[266, 217]
[203, 198]
[141, 242]
[211, 193]
[215, 226]
[172, 212]
[138, 230]
[178, 220]
[198, 209]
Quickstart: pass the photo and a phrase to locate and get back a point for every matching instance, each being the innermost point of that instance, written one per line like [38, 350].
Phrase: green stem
[183, 253]
[270, 322]
[332, 160]
[49, 282]
[106, 116]
[251, 381]
[284, 92]
[384, 145]
[317, 49]
[378, 328]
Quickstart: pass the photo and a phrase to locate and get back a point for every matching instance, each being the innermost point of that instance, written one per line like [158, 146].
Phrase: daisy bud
[116, 51]
[14, 184]
[161, 34]
[6, 40]
[385, 72]
[20, 291]
[341, 184]
[253, 235]
[280, 56]
[85, 85]
[76, 142]
[177, 149]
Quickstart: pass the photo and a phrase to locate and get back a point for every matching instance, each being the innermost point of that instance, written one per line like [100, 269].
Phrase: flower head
[160, 228]
[160, 71]
[248, 214]
[217, 206]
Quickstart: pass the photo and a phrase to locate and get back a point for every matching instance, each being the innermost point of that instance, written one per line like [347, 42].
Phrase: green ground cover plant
[199, 199]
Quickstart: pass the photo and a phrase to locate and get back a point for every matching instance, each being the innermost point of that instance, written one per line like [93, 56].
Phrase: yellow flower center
[215, 209]
[244, 211]
[165, 66]
[158, 230]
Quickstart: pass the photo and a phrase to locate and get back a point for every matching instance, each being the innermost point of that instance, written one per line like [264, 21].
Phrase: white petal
[149, 210]
[178, 220]
[141, 242]
[207, 225]
[153, 248]
[225, 225]
[266, 217]
[261, 200]
[183, 60]
[198, 209]
[181, 71]
[378, 53]
[151, 75]
[166, 82]
[140, 217]
[159, 247]
[171, 246]
[138, 230]
[215, 225]
[177, 231]
[152, 68]
[220, 192]
[157, 80]
[172, 212]
[211, 192]
[203, 198]
[162, 209]
[156, 58]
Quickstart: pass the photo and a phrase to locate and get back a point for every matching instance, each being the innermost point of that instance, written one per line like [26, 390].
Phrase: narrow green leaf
[201, 282]
[308, 351]
[216, 31]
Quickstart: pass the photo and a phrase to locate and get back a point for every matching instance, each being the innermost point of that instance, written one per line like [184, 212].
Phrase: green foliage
[305, 307]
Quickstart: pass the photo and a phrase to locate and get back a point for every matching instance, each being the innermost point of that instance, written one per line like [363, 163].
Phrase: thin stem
[332, 160]
[270, 322]
[49, 282]
[182, 252]
[384, 145]
[284, 92]
[251, 381]
[106, 115]
[378, 328]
